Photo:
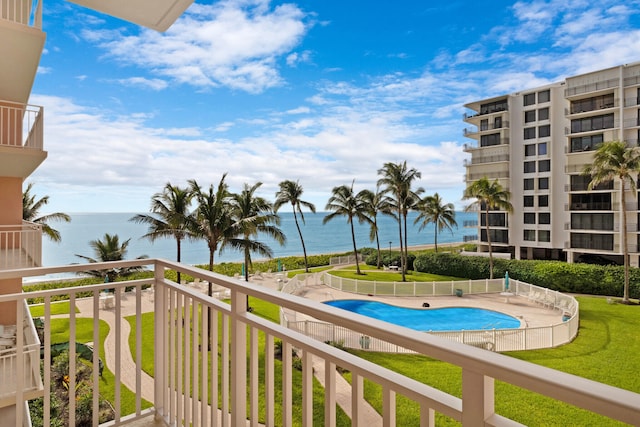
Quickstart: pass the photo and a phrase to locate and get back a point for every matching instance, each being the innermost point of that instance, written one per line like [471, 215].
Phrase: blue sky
[320, 92]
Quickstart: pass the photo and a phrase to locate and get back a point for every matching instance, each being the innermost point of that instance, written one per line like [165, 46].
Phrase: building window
[544, 165]
[530, 116]
[591, 104]
[544, 236]
[586, 221]
[543, 201]
[586, 143]
[544, 96]
[527, 201]
[530, 235]
[542, 149]
[529, 133]
[529, 167]
[497, 123]
[529, 218]
[543, 183]
[484, 124]
[581, 183]
[528, 184]
[488, 140]
[592, 123]
[544, 218]
[530, 150]
[493, 107]
[529, 99]
[544, 131]
[543, 114]
[592, 241]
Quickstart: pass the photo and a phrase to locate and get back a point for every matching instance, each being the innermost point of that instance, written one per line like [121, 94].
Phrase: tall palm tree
[376, 202]
[253, 215]
[433, 210]
[397, 180]
[343, 202]
[488, 196]
[611, 160]
[110, 249]
[30, 212]
[291, 192]
[171, 219]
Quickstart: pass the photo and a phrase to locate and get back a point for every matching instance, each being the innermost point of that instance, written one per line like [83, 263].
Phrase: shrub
[557, 275]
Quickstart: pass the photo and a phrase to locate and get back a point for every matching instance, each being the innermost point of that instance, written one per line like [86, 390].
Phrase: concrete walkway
[128, 367]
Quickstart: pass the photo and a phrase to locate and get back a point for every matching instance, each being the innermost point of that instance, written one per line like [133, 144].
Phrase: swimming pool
[432, 319]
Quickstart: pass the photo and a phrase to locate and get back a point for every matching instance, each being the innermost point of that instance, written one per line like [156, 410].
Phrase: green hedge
[389, 258]
[561, 276]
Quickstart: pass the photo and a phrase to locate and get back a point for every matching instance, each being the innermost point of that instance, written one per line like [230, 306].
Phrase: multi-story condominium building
[537, 143]
[237, 370]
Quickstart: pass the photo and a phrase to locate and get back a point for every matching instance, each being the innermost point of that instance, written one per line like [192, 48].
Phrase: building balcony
[580, 90]
[21, 139]
[20, 246]
[180, 376]
[20, 352]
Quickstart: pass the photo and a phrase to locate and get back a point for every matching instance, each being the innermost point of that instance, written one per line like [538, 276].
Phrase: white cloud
[234, 43]
[296, 58]
[153, 84]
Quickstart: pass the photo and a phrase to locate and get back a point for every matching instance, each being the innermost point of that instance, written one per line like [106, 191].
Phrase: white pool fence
[523, 338]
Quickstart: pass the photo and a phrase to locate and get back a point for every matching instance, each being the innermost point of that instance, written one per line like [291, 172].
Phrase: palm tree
[397, 179]
[110, 249]
[253, 215]
[343, 202]
[30, 212]
[171, 209]
[433, 210]
[212, 220]
[611, 160]
[291, 192]
[375, 202]
[489, 196]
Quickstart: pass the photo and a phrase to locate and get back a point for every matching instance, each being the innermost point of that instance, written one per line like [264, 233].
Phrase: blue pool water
[430, 319]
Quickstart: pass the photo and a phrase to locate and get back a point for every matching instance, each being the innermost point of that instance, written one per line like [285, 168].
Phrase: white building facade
[536, 143]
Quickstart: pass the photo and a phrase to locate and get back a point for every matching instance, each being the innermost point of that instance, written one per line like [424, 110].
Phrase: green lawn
[269, 312]
[389, 276]
[56, 308]
[84, 334]
[606, 350]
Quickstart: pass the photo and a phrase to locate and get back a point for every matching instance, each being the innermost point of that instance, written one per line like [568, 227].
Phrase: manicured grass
[606, 350]
[390, 276]
[292, 273]
[56, 308]
[270, 312]
[84, 334]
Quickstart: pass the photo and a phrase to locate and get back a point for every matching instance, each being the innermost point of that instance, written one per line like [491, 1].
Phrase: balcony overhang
[19, 162]
[21, 47]
[158, 15]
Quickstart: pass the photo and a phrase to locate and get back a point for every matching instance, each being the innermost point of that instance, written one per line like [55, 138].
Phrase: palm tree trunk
[406, 245]
[375, 224]
[178, 256]
[435, 236]
[625, 249]
[304, 249]
[355, 249]
[489, 243]
[401, 252]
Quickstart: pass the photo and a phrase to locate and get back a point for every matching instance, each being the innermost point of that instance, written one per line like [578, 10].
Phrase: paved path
[128, 366]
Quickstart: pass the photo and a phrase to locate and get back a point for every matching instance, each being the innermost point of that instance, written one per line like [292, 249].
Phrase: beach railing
[341, 260]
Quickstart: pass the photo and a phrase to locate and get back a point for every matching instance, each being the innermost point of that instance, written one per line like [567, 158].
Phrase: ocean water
[319, 238]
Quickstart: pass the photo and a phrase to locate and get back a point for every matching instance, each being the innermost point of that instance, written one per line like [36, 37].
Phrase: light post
[389, 248]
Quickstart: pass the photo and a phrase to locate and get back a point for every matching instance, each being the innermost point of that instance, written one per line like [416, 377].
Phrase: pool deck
[530, 313]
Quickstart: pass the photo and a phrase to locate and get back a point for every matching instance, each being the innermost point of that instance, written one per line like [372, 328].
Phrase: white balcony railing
[25, 12]
[185, 373]
[23, 352]
[20, 246]
[21, 125]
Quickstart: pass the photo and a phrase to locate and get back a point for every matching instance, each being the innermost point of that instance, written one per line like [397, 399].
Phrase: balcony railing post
[478, 398]
[160, 324]
[238, 359]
